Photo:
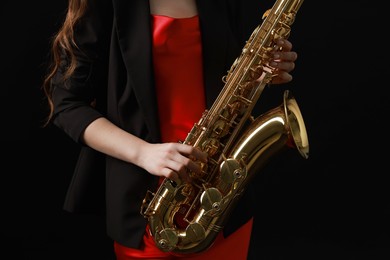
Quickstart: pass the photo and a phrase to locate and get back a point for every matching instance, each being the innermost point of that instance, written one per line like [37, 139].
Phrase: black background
[335, 205]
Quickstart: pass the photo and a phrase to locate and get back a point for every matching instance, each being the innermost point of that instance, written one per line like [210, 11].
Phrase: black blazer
[114, 79]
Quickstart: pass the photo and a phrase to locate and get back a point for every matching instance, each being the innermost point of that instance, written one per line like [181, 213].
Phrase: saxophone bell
[276, 130]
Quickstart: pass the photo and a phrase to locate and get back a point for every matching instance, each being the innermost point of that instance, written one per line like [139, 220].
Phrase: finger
[200, 155]
[194, 167]
[181, 166]
[282, 77]
[184, 166]
[184, 174]
[283, 66]
[184, 148]
[285, 56]
[170, 174]
[193, 152]
[284, 44]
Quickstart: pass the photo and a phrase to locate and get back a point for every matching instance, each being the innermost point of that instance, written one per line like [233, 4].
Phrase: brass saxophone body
[187, 217]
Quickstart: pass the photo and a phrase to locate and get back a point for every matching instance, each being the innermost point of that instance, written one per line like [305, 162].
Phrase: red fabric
[177, 57]
[234, 247]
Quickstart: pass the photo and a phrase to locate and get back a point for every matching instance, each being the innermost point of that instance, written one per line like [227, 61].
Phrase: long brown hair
[63, 43]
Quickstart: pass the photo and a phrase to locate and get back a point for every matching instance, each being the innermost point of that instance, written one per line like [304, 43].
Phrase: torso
[173, 8]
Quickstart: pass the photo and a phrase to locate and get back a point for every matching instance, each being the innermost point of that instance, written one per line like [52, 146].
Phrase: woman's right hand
[171, 160]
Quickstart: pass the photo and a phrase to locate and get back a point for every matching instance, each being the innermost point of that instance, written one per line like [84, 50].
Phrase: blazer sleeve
[78, 100]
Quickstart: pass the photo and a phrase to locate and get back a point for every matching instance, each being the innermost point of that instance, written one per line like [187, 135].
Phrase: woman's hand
[283, 61]
[171, 160]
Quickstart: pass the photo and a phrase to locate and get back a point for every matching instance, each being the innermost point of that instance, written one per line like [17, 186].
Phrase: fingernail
[276, 56]
[273, 64]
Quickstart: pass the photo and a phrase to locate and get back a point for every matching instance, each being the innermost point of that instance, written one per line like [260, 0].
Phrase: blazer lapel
[135, 42]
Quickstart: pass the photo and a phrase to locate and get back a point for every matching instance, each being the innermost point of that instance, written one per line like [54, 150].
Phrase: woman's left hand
[283, 61]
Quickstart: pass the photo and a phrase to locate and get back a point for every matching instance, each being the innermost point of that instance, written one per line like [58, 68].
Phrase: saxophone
[187, 217]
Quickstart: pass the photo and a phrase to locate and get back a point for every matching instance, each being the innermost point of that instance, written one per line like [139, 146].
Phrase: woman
[129, 79]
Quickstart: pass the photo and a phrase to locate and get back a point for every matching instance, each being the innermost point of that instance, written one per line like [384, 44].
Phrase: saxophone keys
[195, 232]
[211, 199]
[231, 170]
[167, 239]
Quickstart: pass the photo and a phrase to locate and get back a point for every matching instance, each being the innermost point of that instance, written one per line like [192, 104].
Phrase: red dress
[177, 54]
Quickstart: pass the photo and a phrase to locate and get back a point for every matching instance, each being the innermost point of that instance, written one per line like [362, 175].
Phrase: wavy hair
[63, 43]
